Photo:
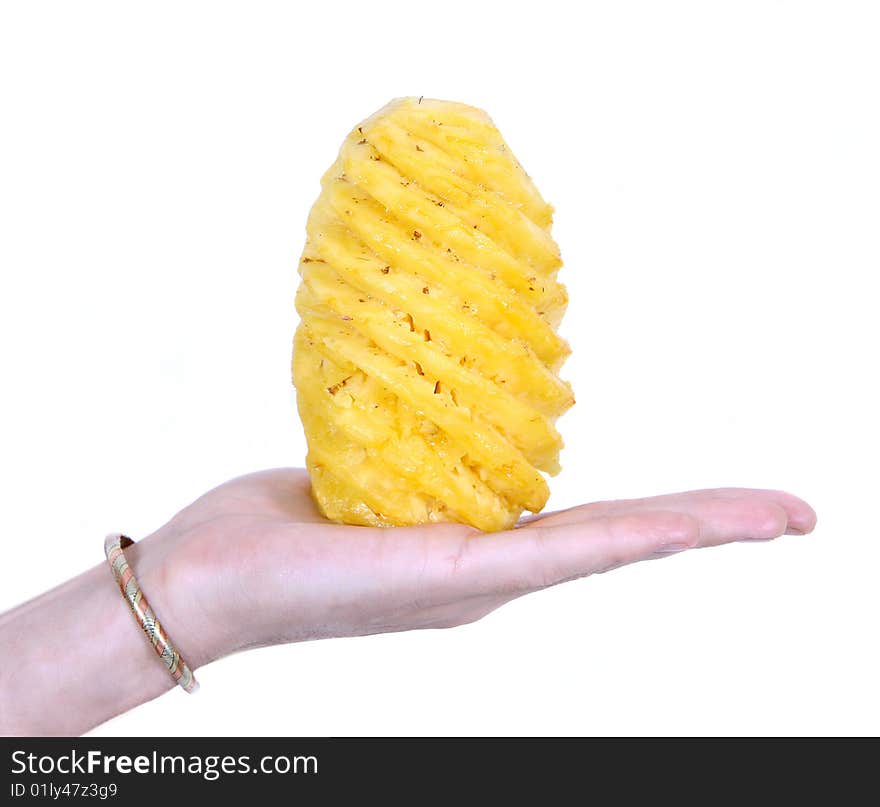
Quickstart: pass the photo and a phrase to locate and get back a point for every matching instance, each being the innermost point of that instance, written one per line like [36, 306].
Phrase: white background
[715, 169]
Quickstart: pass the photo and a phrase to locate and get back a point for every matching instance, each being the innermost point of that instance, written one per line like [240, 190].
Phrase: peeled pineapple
[426, 358]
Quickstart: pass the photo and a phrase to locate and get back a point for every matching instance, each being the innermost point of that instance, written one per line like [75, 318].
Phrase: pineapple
[426, 360]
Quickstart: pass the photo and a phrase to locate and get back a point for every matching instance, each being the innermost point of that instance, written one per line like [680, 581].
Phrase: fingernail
[668, 549]
[794, 531]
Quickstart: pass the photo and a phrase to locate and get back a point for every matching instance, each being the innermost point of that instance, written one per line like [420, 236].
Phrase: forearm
[74, 657]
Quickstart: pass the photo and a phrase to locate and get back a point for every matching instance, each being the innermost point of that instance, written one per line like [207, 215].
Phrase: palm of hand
[253, 563]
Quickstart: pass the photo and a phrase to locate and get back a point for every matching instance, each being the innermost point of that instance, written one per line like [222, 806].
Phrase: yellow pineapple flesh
[426, 359]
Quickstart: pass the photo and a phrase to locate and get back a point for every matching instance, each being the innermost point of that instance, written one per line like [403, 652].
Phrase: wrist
[137, 672]
[87, 666]
[179, 590]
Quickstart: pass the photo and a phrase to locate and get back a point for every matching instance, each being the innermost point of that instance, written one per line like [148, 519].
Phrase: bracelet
[144, 614]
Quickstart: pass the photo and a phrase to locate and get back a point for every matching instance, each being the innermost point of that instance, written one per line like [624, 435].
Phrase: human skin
[253, 563]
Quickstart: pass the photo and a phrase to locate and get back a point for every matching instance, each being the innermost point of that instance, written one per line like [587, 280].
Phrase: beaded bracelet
[144, 614]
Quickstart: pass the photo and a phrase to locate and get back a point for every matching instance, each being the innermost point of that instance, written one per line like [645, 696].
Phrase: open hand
[253, 563]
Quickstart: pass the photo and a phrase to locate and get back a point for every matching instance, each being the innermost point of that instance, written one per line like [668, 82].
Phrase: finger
[541, 555]
[724, 520]
[800, 517]
[550, 551]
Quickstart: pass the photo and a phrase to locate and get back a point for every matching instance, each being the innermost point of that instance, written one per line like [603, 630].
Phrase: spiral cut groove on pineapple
[426, 358]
